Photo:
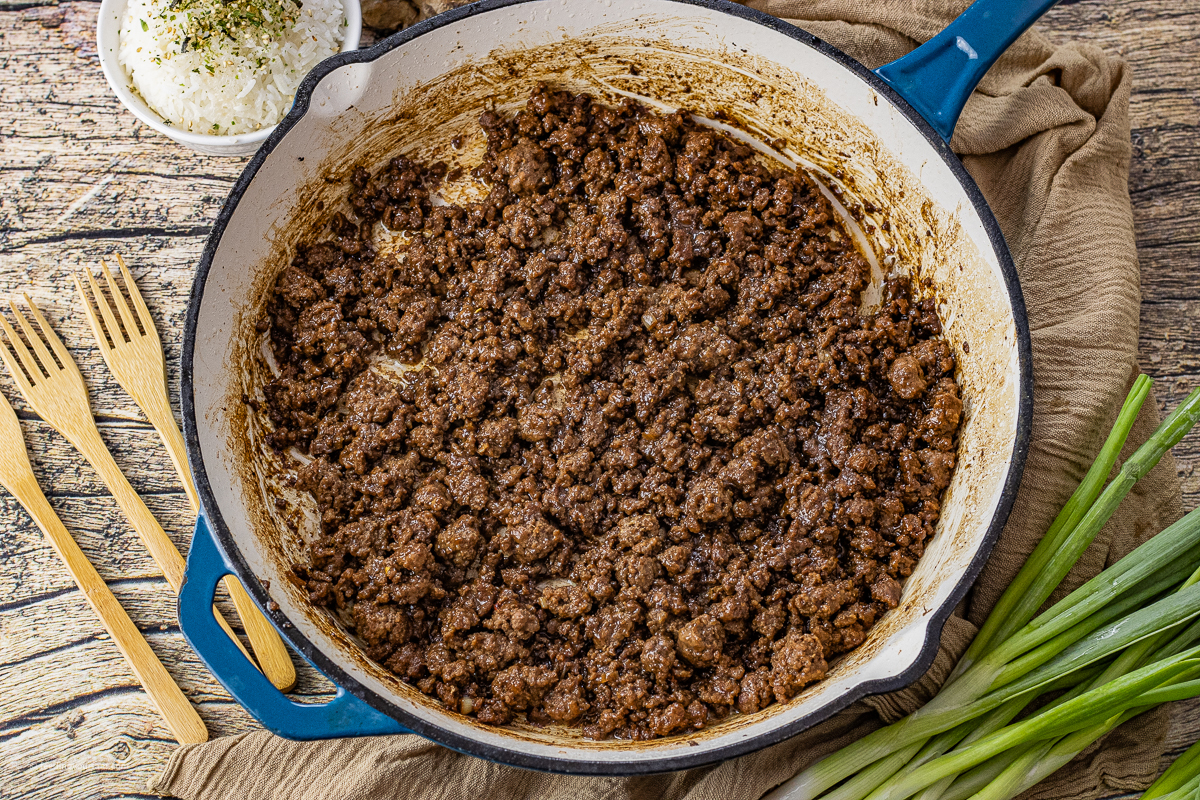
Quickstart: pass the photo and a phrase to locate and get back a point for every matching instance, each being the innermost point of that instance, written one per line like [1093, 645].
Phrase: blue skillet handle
[937, 78]
[345, 715]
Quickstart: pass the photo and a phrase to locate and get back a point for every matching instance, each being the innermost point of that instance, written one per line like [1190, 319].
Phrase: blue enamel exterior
[345, 715]
[937, 78]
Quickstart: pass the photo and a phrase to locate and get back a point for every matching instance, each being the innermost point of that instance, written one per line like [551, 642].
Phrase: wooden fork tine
[10, 361]
[142, 309]
[93, 318]
[114, 330]
[131, 327]
[60, 349]
[27, 358]
[39, 346]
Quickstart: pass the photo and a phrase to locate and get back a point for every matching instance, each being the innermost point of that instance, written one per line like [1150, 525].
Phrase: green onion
[1035, 762]
[995, 720]
[1007, 775]
[1188, 791]
[1014, 658]
[975, 780]
[1089, 708]
[1091, 595]
[1100, 644]
[874, 775]
[988, 685]
[1004, 776]
[1030, 588]
[1133, 612]
[975, 730]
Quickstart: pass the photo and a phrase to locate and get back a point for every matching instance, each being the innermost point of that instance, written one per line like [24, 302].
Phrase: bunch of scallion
[1119, 645]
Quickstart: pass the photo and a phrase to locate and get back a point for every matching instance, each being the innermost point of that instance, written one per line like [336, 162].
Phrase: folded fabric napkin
[1046, 136]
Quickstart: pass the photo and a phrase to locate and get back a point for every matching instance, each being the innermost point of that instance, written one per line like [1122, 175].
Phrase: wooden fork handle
[272, 653]
[273, 656]
[180, 715]
[157, 407]
[161, 548]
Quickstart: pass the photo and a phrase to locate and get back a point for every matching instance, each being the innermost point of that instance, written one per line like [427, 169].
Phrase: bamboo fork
[138, 363]
[56, 392]
[16, 475]
[136, 360]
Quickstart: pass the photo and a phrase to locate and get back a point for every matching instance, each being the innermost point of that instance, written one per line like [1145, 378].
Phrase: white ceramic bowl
[108, 37]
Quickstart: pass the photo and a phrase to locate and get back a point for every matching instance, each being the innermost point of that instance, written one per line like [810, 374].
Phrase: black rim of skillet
[513, 755]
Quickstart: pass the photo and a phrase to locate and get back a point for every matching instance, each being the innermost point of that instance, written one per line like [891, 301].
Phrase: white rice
[227, 86]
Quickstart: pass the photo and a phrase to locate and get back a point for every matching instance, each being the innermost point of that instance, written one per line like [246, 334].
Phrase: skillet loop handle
[345, 715]
[937, 78]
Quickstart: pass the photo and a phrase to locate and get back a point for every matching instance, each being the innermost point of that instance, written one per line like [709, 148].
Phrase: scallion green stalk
[1167, 577]
[1188, 791]
[972, 781]
[964, 697]
[1162, 615]
[957, 705]
[1095, 593]
[1025, 595]
[993, 721]
[873, 776]
[1024, 765]
[970, 697]
[975, 730]
[1089, 708]
[1008, 774]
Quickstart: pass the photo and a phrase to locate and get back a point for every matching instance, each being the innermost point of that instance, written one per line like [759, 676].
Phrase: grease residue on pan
[906, 229]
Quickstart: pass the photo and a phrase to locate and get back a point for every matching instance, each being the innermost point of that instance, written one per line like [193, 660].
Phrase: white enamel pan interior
[414, 91]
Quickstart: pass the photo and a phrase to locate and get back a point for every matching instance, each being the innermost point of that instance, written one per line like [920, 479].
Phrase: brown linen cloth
[1046, 136]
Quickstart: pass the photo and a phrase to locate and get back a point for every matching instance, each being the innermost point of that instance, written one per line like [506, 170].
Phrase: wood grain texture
[60, 398]
[135, 358]
[16, 475]
[80, 180]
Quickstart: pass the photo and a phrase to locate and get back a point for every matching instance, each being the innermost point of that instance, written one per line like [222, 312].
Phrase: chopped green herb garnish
[201, 24]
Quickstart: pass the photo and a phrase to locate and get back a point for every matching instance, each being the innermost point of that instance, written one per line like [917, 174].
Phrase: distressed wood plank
[1169, 339]
[106, 745]
[102, 747]
[1161, 43]
[59, 621]
[55, 679]
[62, 470]
[62, 619]
[31, 568]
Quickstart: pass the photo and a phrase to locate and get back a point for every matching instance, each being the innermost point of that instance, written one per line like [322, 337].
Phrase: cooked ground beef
[649, 463]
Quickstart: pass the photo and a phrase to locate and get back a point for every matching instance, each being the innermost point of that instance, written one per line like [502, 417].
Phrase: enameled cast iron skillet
[878, 139]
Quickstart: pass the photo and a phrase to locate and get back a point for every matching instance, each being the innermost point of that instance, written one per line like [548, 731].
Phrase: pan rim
[590, 764]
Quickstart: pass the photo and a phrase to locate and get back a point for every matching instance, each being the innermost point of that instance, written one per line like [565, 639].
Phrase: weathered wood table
[80, 178]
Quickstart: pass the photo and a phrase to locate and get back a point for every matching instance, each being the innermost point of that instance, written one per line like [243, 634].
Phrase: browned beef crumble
[651, 463]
